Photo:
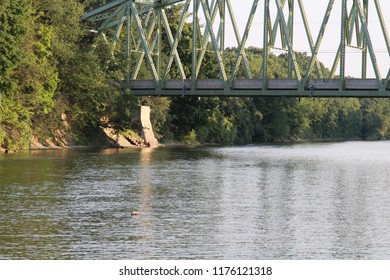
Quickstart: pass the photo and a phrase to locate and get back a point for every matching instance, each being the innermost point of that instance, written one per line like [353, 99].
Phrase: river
[287, 201]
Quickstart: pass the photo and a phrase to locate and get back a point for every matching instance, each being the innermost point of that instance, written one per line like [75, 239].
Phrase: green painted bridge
[139, 26]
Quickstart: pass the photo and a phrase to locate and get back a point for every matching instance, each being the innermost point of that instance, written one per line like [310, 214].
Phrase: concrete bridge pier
[146, 139]
[147, 129]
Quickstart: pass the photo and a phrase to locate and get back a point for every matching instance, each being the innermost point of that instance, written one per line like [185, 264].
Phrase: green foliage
[191, 138]
[50, 66]
[375, 119]
[28, 77]
[14, 16]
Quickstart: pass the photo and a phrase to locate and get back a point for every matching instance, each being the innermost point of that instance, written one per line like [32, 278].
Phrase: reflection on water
[307, 201]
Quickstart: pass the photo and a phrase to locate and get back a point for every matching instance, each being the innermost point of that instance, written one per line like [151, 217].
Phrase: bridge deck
[254, 87]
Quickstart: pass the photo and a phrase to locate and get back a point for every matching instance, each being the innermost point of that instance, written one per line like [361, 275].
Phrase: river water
[301, 201]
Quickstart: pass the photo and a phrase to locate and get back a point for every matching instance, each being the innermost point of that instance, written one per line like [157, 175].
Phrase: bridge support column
[147, 129]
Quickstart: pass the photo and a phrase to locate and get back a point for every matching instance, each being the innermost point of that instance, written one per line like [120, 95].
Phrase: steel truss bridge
[139, 25]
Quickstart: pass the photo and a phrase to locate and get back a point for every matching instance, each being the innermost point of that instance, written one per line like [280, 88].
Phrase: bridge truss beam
[146, 22]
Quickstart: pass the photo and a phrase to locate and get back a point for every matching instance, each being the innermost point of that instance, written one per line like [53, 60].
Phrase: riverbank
[104, 136]
[108, 138]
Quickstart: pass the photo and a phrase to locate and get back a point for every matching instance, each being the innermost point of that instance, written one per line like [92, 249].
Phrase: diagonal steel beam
[309, 37]
[222, 24]
[128, 46]
[214, 40]
[368, 40]
[275, 28]
[144, 41]
[319, 39]
[242, 44]
[118, 29]
[113, 19]
[206, 35]
[385, 34]
[176, 42]
[291, 35]
[149, 33]
[264, 66]
[383, 25]
[238, 39]
[287, 37]
[103, 9]
[171, 41]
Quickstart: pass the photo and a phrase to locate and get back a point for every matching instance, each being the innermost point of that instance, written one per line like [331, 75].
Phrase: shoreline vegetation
[37, 145]
[61, 86]
[109, 139]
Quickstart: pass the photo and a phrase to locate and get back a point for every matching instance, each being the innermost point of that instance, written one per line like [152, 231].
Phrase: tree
[28, 78]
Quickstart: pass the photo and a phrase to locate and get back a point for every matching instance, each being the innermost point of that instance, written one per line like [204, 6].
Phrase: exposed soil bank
[109, 137]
